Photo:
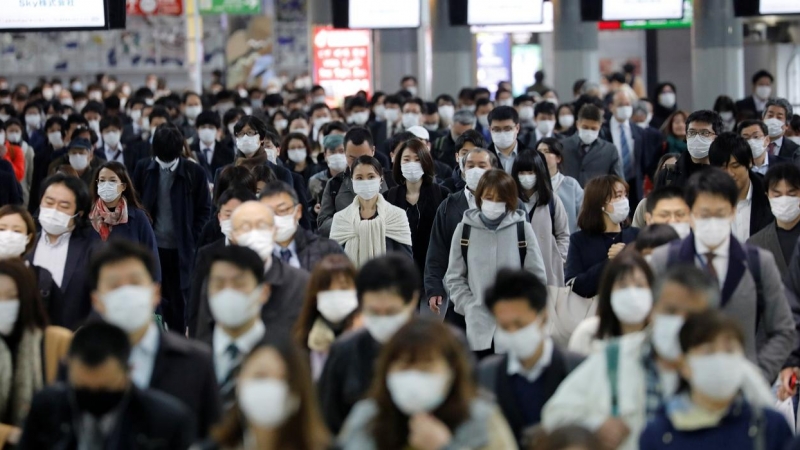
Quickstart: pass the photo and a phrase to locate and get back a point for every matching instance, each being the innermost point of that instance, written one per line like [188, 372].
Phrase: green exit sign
[230, 6]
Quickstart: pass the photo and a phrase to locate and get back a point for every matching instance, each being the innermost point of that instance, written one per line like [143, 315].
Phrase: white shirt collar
[721, 251]
[149, 343]
[172, 166]
[532, 374]
[244, 343]
[203, 145]
[470, 198]
[291, 247]
[779, 142]
[61, 240]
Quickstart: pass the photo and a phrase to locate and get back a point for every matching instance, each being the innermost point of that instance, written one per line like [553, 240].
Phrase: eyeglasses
[246, 227]
[703, 133]
[250, 133]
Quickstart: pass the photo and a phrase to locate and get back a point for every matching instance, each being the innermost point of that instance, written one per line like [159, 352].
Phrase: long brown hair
[303, 430]
[420, 340]
[597, 193]
[666, 127]
[425, 160]
[325, 272]
[131, 198]
[498, 182]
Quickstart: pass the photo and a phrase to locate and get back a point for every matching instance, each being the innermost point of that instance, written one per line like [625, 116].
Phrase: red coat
[16, 157]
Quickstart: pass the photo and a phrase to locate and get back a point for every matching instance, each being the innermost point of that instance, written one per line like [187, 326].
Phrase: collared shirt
[507, 162]
[53, 256]
[294, 261]
[540, 136]
[88, 438]
[143, 357]
[470, 199]
[532, 374]
[721, 256]
[223, 363]
[208, 155]
[778, 144]
[114, 155]
[762, 169]
[172, 165]
[741, 224]
[616, 129]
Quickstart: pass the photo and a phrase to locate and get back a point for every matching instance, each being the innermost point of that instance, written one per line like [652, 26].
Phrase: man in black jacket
[101, 407]
[208, 149]
[443, 149]
[702, 127]
[777, 115]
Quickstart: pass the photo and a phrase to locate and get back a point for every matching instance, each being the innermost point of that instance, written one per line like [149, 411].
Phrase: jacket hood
[472, 218]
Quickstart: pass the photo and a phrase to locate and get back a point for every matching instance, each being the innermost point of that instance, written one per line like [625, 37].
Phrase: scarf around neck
[103, 219]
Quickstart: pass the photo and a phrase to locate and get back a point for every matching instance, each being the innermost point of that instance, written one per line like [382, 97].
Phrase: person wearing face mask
[568, 189]
[528, 374]
[702, 127]
[725, 107]
[336, 162]
[31, 350]
[296, 155]
[174, 192]
[275, 406]
[330, 310]
[586, 155]
[524, 105]
[125, 294]
[113, 149]
[602, 235]
[370, 226]
[749, 278]
[444, 148]
[756, 103]
[387, 290]
[545, 116]
[493, 235]
[423, 397]
[665, 205]
[79, 156]
[12, 152]
[665, 97]
[777, 115]
[99, 407]
[208, 149]
[318, 115]
[392, 123]
[409, 83]
[710, 412]
[756, 133]
[624, 301]
[357, 111]
[191, 106]
[504, 124]
[296, 246]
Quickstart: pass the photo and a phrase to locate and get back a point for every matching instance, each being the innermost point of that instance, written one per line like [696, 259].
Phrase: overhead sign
[684, 22]
[494, 12]
[155, 7]
[342, 61]
[642, 9]
[230, 6]
[30, 14]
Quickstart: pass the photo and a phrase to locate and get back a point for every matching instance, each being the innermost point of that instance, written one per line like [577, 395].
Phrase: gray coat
[767, 239]
[776, 331]
[344, 198]
[601, 159]
[571, 194]
[489, 251]
[553, 238]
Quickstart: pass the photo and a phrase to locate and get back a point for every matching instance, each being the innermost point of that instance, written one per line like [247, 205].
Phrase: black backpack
[522, 244]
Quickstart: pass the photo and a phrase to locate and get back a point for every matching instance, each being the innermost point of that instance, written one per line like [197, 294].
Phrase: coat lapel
[736, 270]
[74, 251]
[505, 396]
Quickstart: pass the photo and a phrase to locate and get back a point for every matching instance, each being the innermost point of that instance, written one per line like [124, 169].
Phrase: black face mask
[97, 403]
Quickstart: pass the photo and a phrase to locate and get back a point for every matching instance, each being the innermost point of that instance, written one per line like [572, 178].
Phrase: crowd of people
[240, 268]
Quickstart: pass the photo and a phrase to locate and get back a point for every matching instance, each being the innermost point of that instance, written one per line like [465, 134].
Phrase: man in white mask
[777, 115]
[412, 113]
[296, 246]
[113, 149]
[208, 149]
[532, 366]
[545, 115]
[586, 154]
[756, 133]
[754, 297]
[443, 148]
[409, 83]
[388, 293]
[125, 292]
[504, 123]
[762, 92]
[81, 157]
[666, 205]
[616, 400]
[702, 127]
[393, 123]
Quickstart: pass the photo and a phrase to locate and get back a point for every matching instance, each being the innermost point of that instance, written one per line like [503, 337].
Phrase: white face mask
[359, 118]
[506, 102]
[775, 127]
[55, 139]
[260, 241]
[588, 136]
[726, 115]
[763, 92]
[53, 221]
[522, 343]
[9, 311]
[667, 99]
[266, 402]
[624, 113]
[665, 335]
[335, 306]
[492, 210]
[526, 113]
[248, 144]
[621, 210]
[79, 161]
[232, 308]
[504, 139]
[474, 177]
[718, 375]
[682, 228]
[108, 191]
[410, 120]
[712, 232]
[431, 126]
[785, 208]
[3, 137]
[226, 227]
[483, 119]
[757, 147]
[4, 117]
[272, 155]
[193, 111]
[415, 391]
[79, 105]
[285, 227]
[297, 155]
[566, 121]
[33, 120]
[12, 244]
[546, 127]
[412, 171]
[14, 137]
[527, 181]
[95, 126]
[129, 307]
[447, 112]
[48, 94]
[391, 114]
[281, 124]
[112, 138]
[367, 189]
[382, 328]
[631, 305]
[380, 111]
[698, 146]
[337, 162]
[207, 135]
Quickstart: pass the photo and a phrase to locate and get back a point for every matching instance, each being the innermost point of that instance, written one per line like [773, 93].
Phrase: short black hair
[76, 118]
[110, 121]
[747, 123]
[662, 193]
[187, 94]
[690, 277]
[392, 272]
[241, 257]
[761, 74]
[712, 181]
[544, 108]
[522, 99]
[706, 116]
[704, 327]
[475, 137]
[278, 187]
[208, 118]
[116, 250]
[57, 120]
[591, 112]
[367, 160]
[356, 102]
[655, 235]
[83, 200]
[510, 284]
[393, 99]
[255, 123]
[483, 101]
[503, 113]
[358, 135]
[168, 142]
[112, 102]
[92, 106]
[417, 101]
[97, 341]
[782, 172]
[236, 192]
[159, 112]
[409, 78]
[730, 144]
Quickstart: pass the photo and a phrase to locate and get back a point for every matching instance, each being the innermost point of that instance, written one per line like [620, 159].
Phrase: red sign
[342, 61]
[155, 7]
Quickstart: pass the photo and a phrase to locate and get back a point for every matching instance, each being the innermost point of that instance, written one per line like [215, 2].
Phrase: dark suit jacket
[223, 155]
[149, 420]
[10, 190]
[493, 376]
[76, 304]
[789, 150]
[196, 292]
[760, 210]
[311, 248]
[184, 369]
[131, 155]
[748, 104]
[588, 256]
[767, 239]
[645, 158]
[448, 216]
[601, 159]
[281, 310]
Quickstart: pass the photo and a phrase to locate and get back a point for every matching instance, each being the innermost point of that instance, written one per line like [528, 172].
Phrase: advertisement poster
[342, 61]
[155, 7]
[526, 59]
[493, 59]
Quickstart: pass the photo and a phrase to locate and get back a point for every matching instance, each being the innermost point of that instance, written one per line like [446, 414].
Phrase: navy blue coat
[139, 230]
[588, 256]
[191, 205]
[448, 216]
[10, 191]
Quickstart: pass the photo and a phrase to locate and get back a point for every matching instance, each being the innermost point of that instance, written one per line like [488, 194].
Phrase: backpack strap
[552, 205]
[612, 369]
[465, 232]
[754, 264]
[522, 244]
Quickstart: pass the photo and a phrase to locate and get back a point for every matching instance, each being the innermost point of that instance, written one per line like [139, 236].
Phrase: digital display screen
[642, 9]
[384, 14]
[504, 12]
[779, 7]
[52, 14]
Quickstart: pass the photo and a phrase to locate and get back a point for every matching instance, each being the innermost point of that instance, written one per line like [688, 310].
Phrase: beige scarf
[364, 240]
[19, 381]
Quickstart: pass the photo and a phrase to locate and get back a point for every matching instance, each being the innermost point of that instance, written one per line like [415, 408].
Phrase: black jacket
[789, 149]
[131, 155]
[444, 150]
[684, 167]
[149, 420]
[311, 248]
[455, 182]
[448, 216]
[760, 210]
[646, 154]
[223, 155]
[748, 105]
[10, 190]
